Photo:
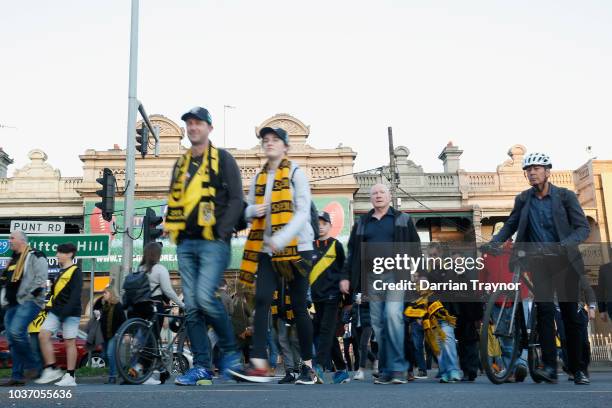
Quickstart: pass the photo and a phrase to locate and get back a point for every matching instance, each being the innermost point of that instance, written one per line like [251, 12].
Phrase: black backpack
[314, 214]
[136, 288]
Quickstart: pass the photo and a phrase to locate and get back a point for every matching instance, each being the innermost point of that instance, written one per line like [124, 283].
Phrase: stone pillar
[477, 223]
[450, 157]
[5, 161]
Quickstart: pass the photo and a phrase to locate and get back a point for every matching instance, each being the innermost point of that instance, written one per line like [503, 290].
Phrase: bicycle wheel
[137, 351]
[534, 350]
[500, 337]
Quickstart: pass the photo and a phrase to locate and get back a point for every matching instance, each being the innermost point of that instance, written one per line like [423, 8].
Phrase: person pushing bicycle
[547, 217]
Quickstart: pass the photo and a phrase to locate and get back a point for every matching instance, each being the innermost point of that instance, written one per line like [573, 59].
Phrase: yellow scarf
[200, 193]
[430, 313]
[20, 265]
[281, 214]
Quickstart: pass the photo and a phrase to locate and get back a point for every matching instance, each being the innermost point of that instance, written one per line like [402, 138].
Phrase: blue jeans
[36, 354]
[16, 321]
[201, 265]
[448, 360]
[388, 323]
[273, 348]
[418, 338]
[506, 343]
[109, 354]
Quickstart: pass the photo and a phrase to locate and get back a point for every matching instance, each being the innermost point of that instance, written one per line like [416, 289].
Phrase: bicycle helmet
[536, 159]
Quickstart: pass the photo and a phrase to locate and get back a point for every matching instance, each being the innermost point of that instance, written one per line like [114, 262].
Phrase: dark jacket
[111, 318]
[228, 200]
[570, 222]
[326, 287]
[67, 303]
[604, 287]
[403, 231]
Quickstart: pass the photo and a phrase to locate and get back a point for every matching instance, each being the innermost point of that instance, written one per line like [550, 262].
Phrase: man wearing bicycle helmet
[547, 216]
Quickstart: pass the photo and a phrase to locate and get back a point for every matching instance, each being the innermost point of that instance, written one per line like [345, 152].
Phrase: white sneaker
[67, 381]
[49, 375]
[151, 381]
[359, 376]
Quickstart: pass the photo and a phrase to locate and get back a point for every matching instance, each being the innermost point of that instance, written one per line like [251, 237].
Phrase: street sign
[88, 245]
[38, 227]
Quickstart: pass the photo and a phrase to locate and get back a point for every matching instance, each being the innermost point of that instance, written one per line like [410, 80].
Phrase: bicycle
[139, 350]
[508, 327]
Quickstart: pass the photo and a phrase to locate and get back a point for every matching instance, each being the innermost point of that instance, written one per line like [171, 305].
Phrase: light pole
[130, 159]
[225, 108]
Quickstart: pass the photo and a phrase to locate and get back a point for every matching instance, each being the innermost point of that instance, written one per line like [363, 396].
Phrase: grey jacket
[160, 283]
[570, 222]
[34, 277]
[300, 223]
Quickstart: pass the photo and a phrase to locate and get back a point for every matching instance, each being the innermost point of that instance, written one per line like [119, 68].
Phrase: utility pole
[393, 171]
[130, 159]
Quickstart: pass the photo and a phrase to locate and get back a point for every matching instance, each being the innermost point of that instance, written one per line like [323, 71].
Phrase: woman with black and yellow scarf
[279, 247]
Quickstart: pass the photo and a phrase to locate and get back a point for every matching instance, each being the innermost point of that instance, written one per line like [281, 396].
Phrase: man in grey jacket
[550, 219]
[23, 295]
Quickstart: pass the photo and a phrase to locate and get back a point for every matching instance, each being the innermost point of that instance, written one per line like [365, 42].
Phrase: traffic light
[150, 232]
[107, 205]
[142, 140]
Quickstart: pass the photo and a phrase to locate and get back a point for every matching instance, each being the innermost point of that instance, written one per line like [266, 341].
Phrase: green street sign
[88, 245]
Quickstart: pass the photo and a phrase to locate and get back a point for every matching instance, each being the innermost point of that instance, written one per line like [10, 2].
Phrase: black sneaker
[384, 379]
[289, 378]
[307, 376]
[548, 374]
[520, 373]
[164, 376]
[421, 375]
[580, 378]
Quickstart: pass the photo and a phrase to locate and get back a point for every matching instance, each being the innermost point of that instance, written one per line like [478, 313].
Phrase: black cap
[280, 132]
[324, 215]
[199, 113]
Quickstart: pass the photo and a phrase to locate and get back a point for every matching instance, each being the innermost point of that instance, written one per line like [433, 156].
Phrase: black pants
[583, 316]
[467, 334]
[347, 342]
[363, 339]
[336, 356]
[267, 282]
[324, 326]
[554, 276]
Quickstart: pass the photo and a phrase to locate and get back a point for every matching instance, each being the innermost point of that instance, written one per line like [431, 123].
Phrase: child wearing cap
[325, 291]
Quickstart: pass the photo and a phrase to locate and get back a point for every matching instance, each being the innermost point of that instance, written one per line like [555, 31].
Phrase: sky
[482, 74]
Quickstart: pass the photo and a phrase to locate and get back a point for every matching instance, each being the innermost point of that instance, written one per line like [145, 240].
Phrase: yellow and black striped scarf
[200, 193]
[282, 307]
[281, 208]
[431, 313]
[20, 265]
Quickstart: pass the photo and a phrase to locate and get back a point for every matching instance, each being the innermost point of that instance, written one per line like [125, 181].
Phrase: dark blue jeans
[16, 321]
[201, 265]
[418, 338]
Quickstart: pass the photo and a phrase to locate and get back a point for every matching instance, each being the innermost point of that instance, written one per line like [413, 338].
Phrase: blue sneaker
[341, 377]
[195, 376]
[455, 376]
[230, 362]
[319, 374]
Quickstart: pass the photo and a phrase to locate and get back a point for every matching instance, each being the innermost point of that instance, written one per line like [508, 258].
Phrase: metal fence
[601, 347]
